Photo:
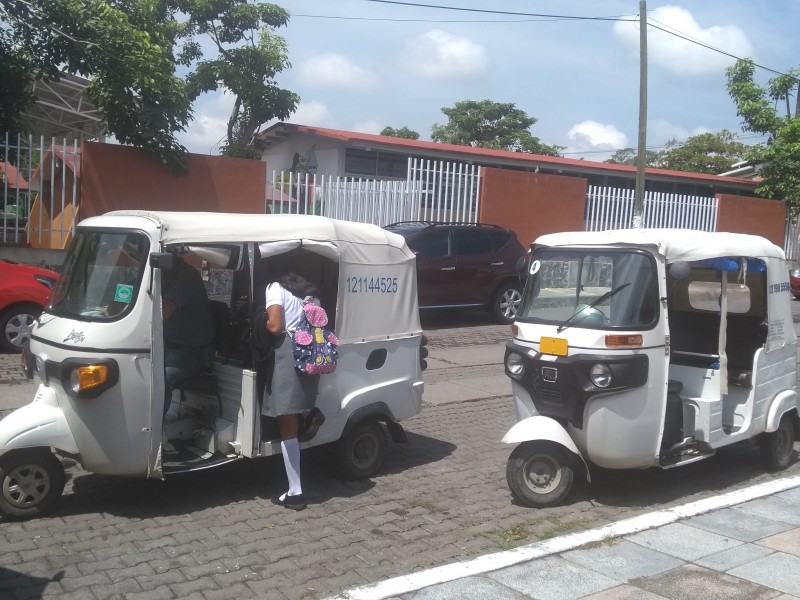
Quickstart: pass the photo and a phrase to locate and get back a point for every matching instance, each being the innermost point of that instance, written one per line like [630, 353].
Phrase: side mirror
[162, 260]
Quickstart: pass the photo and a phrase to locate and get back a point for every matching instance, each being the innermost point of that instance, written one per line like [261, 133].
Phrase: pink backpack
[314, 343]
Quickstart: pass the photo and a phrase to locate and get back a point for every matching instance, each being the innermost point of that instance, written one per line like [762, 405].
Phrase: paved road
[439, 499]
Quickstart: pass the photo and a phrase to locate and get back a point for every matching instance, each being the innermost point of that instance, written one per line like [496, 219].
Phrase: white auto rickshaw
[97, 351]
[648, 348]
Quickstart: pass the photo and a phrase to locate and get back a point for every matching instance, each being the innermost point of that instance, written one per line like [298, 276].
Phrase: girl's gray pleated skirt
[287, 391]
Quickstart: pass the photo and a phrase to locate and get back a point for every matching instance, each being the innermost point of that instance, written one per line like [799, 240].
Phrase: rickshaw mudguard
[539, 428]
[782, 403]
[40, 423]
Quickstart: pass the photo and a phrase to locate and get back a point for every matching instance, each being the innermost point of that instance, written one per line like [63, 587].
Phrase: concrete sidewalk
[740, 545]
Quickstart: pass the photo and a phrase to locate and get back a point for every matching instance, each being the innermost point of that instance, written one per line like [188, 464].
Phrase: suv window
[470, 242]
[499, 239]
[433, 244]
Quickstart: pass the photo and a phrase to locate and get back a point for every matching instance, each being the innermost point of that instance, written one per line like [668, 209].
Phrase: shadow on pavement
[732, 467]
[27, 586]
[235, 482]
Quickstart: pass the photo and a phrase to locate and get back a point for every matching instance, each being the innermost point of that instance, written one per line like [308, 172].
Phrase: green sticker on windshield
[124, 293]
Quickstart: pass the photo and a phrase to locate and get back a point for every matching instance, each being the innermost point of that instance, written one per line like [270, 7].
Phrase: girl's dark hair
[297, 285]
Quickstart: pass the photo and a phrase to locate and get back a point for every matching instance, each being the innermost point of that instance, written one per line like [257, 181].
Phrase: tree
[132, 50]
[494, 125]
[247, 70]
[628, 156]
[128, 57]
[711, 153]
[403, 132]
[769, 111]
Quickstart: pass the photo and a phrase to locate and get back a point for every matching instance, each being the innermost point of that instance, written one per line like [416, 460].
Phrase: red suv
[24, 291]
[464, 265]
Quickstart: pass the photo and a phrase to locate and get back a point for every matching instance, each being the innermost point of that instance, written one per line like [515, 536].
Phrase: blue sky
[359, 65]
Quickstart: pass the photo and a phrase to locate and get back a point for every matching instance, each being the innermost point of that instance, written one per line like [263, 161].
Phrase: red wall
[744, 214]
[118, 177]
[532, 204]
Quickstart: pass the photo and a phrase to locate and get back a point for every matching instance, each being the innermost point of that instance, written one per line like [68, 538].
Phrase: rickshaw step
[684, 452]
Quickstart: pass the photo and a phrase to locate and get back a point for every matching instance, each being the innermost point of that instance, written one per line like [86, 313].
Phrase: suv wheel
[505, 302]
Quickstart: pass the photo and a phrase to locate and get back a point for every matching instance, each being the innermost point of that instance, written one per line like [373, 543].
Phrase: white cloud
[681, 56]
[659, 132]
[441, 55]
[312, 113]
[368, 127]
[331, 70]
[590, 137]
[207, 131]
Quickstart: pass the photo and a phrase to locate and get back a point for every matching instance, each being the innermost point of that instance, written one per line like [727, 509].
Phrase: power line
[535, 17]
[703, 44]
[500, 12]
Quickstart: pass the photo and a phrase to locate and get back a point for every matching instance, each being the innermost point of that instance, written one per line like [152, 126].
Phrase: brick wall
[532, 204]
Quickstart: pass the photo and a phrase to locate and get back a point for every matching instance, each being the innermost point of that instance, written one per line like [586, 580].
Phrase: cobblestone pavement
[215, 534]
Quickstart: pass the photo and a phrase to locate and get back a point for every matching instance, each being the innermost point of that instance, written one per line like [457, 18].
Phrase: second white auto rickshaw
[648, 348]
[97, 351]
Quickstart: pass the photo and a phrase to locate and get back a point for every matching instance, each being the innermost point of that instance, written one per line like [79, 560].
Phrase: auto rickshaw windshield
[101, 276]
[563, 282]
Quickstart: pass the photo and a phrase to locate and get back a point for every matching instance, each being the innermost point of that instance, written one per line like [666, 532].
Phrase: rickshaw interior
[206, 419]
[706, 403]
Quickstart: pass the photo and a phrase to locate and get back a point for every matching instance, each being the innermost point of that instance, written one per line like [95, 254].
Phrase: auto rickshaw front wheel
[31, 481]
[777, 447]
[360, 453]
[539, 474]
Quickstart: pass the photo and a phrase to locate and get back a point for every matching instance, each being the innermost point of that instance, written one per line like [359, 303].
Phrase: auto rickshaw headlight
[88, 377]
[515, 365]
[600, 374]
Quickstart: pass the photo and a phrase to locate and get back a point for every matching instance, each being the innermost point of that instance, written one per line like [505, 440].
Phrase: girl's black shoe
[297, 502]
[311, 425]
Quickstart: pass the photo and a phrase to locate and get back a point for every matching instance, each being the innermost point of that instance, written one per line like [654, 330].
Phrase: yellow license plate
[554, 346]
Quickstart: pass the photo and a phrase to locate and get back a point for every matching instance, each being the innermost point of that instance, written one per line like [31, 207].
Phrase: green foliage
[628, 156]
[131, 50]
[493, 125]
[404, 132]
[249, 55]
[128, 58]
[769, 111]
[711, 153]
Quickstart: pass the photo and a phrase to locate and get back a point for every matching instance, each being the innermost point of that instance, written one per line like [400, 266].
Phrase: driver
[188, 326]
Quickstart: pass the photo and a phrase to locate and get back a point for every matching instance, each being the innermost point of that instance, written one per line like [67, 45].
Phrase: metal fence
[39, 197]
[612, 208]
[433, 190]
[38, 190]
[791, 243]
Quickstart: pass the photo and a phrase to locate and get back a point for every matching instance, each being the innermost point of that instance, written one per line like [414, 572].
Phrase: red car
[24, 291]
[794, 282]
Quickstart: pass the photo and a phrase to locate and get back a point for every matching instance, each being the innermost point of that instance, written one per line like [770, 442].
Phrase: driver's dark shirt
[191, 323]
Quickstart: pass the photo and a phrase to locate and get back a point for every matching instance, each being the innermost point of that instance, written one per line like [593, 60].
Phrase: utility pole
[638, 207]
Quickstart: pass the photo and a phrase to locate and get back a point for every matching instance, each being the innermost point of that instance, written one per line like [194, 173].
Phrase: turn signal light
[88, 377]
[623, 341]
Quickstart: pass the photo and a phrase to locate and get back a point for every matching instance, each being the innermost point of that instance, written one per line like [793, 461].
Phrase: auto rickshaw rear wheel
[539, 474]
[360, 453]
[31, 481]
[777, 447]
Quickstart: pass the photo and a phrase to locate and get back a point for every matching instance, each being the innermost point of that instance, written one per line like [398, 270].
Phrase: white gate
[612, 208]
[432, 191]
